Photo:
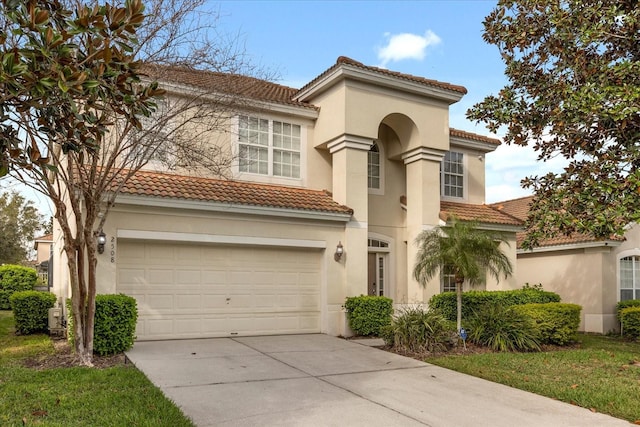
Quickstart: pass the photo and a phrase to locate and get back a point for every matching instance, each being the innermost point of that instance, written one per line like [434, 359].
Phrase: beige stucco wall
[580, 276]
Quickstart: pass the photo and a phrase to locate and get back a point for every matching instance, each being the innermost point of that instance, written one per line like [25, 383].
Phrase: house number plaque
[112, 249]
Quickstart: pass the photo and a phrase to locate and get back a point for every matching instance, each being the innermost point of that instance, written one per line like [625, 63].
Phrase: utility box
[55, 321]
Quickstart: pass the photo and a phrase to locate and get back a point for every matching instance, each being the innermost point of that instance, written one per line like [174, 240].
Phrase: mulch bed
[64, 357]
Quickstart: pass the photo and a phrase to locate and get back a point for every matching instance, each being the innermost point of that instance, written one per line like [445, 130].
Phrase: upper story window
[269, 147]
[630, 278]
[452, 175]
[373, 167]
[152, 143]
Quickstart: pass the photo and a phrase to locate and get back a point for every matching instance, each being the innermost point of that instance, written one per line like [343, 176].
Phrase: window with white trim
[447, 280]
[152, 142]
[630, 278]
[268, 147]
[452, 175]
[373, 167]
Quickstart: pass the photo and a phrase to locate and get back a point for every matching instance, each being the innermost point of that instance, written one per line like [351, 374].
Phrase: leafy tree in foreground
[574, 91]
[19, 222]
[82, 112]
[463, 250]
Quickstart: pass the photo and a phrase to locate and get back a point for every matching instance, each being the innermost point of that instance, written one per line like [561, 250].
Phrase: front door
[376, 267]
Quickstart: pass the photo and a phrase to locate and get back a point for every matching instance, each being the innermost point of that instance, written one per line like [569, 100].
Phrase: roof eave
[484, 147]
[137, 200]
[347, 71]
[569, 246]
[309, 112]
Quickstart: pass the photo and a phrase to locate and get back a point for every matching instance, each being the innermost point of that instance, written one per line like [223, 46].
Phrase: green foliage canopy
[573, 70]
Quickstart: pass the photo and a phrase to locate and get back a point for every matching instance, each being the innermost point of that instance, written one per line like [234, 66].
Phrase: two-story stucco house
[332, 184]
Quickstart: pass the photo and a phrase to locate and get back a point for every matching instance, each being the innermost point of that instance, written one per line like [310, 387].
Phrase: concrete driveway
[318, 380]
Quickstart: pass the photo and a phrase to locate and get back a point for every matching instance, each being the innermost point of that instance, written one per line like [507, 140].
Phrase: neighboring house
[593, 273]
[43, 246]
[360, 160]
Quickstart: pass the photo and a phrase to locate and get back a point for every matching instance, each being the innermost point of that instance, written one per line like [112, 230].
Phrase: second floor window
[373, 167]
[269, 147]
[452, 175]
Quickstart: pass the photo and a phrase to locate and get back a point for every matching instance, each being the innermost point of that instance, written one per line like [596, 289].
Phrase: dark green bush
[626, 304]
[368, 314]
[416, 329]
[501, 328]
[115, 323]
[630, 320]
[473, 301]
[15, 278]
[557, 322]
[115, 327]
[31, 310]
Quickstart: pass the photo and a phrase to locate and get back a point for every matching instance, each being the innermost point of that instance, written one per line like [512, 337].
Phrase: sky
[435, 39]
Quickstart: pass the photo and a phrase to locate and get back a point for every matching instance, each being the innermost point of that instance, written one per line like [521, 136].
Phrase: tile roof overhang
[347, 68]
[204, 83]
[473, 140]
[168, 190]
[485, 215]
[519, 208]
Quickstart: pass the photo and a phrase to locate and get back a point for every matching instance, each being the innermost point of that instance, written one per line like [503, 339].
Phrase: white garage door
[193, 291]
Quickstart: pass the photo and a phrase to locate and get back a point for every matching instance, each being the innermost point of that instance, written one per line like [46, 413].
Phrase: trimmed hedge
[115, 328]
[115, 323]
[368, 314]
[630, 320]
[14, 278]
[557, 322]
[473, 301]
[626, 304]
[31, 310]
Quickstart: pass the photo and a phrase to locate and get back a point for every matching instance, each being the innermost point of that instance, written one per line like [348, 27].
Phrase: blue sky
[439, 40]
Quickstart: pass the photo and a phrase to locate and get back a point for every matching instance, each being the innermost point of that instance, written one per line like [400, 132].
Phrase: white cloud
[406, 46]
[508, 165]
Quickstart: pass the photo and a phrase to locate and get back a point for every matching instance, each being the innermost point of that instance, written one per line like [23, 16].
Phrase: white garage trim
[219, 239]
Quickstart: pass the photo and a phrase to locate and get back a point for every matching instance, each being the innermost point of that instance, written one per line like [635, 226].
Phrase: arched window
[630, 278]
[374, 167]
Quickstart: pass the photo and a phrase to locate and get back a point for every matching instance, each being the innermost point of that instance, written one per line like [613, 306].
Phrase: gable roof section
[455, 91]
[233, 84]
[481, 213]
[519, 208]
[231, 193]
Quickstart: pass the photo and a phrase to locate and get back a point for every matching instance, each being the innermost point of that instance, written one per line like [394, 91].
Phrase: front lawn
[119, 395]
[602, 373]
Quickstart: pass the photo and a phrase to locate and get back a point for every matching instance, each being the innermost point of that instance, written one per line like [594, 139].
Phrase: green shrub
[31, 310]
[115, 323]
[630, 320]
[501, 328]
[626, 304]
[557, 322]
[115, 327]
[15, 278]
[417, 330]
[368, 314]
[473, 301]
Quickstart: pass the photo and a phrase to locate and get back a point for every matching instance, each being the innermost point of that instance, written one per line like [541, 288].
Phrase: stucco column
[423, 209]
[349, 154]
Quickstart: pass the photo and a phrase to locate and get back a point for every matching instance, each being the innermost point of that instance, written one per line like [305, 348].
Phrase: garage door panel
[190, 291]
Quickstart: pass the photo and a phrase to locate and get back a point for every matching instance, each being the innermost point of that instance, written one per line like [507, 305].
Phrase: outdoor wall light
[339, 252]
[102, 240]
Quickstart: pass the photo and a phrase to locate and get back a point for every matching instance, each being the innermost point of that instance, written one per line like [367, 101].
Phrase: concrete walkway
[318, 380]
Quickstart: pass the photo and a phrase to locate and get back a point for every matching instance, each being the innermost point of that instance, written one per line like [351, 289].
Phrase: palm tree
[463, 250]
